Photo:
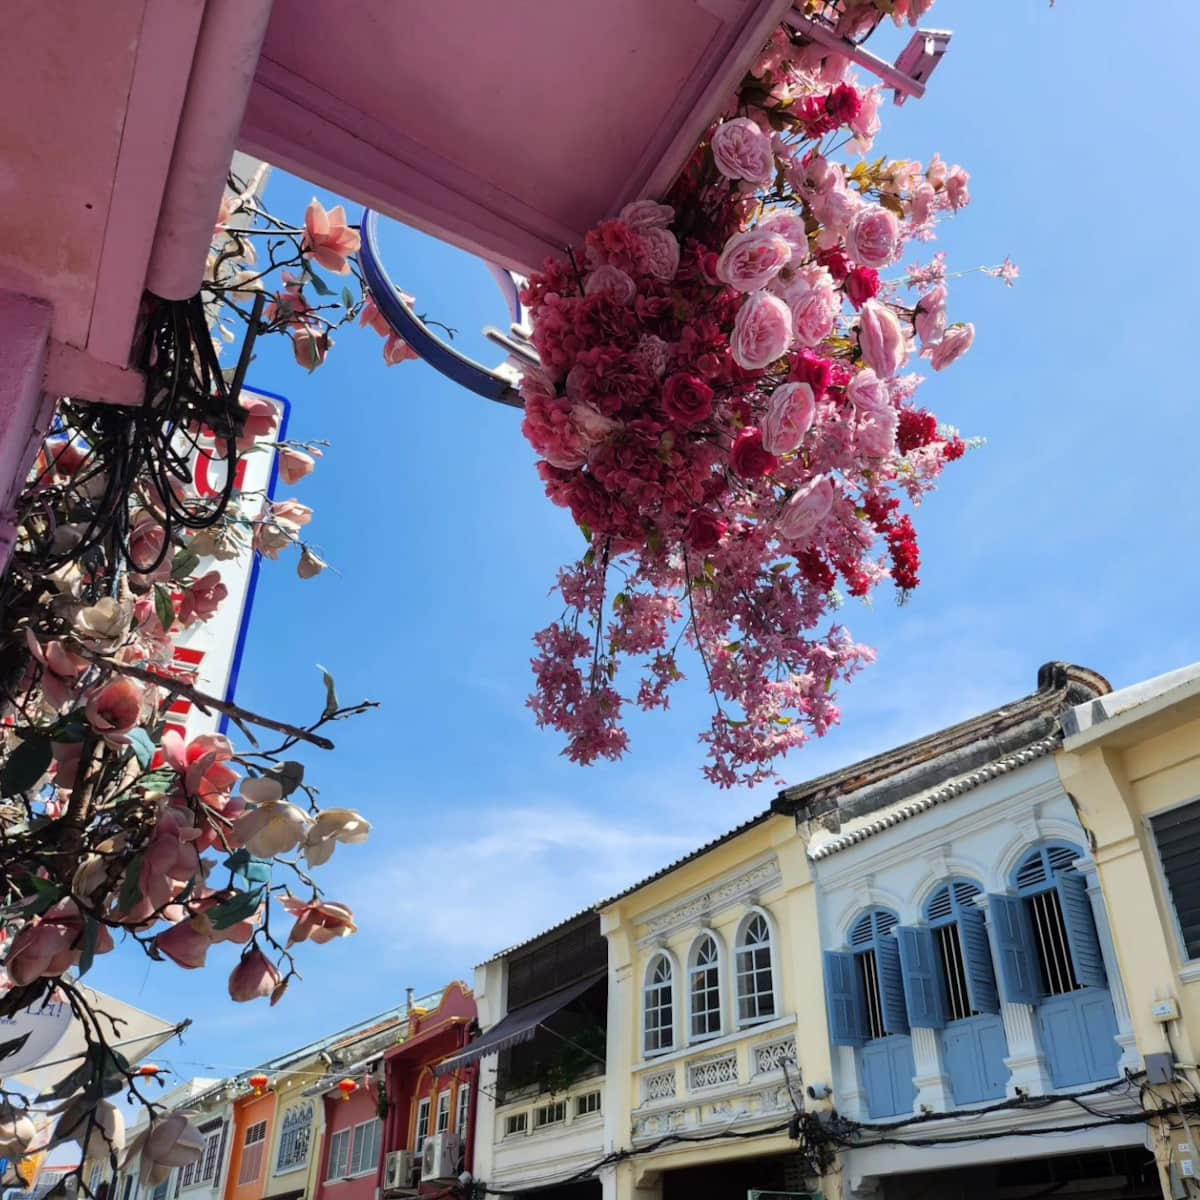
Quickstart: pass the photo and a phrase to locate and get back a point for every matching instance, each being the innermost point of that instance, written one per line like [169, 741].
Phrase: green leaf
[25, 766]
[253, 870]
[164, 608]
[184, 563]
[131, 891]
[45, 895]
[347, 299]
[91, 930]
[331, 700]
[319, 285]
[143, 746]
[239, 908]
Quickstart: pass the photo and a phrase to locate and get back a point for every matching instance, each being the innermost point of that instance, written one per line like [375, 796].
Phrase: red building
[374, 1138]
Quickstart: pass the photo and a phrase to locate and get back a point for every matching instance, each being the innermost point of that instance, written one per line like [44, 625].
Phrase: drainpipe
[227, 52]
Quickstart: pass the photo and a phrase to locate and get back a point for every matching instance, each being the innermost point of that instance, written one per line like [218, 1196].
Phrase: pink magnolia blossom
[371, 318]
[292, 511]
[294, 465]
[202, 598]
[17, 1131]
[328, 238]
[807, 508]
[203, 763]
[310, 565]
[331, 826]
[310, 347]
[272, 826]
[318, 921]
[261, 419]
[873, 238]
[61, 670]
[254, 977]
[185, 944]
[752, 259]
[169, 1143]
[397, 350]
[115, 708]
[51, 944]
[881, 339]
[273, 535]
[956, 342]
[789, 417]
[762, 331]
[741, 150]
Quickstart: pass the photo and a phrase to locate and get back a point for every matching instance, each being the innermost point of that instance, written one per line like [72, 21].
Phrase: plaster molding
[700, 907]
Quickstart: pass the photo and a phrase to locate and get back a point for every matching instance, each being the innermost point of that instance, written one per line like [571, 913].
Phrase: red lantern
[347, 1087]
[258, 1083]
[147, 1070]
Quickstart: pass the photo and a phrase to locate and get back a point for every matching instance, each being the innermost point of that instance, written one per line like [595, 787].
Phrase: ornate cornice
[699, 907]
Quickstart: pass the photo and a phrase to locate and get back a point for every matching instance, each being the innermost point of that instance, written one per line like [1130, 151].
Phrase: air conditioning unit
[398, 1170]
[440, 1155]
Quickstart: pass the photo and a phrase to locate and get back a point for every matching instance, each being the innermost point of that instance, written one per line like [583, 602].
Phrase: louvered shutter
[891, 984]
[977, 961]
[1177, 835]
[844, 1001]
[1019, 970]
[921, 965]
[1081, 928]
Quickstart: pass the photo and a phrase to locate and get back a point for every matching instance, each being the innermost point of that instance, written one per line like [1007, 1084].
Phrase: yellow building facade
[716, 1017]
[1131, 763]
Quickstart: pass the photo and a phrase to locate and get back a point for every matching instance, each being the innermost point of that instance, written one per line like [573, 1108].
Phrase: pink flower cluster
[721, 405]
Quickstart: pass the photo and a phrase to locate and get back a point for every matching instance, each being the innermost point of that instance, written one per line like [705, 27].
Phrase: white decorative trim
[700, 907]
[768, 1057]
[712, 1072]
[956, 787]
[659, 1086]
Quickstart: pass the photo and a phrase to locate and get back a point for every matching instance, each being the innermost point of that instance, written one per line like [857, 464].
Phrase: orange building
[253, 1118]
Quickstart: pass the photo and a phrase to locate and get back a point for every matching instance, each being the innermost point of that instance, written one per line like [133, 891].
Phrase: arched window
[658, 1007]
[704, 988]
[294, 1137]
[1058, 915]
[754, 970]
[960, 939]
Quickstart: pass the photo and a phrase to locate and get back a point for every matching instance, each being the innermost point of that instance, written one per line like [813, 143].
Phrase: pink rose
[654, 354]
[881, 339]
[704, 530]
[591, 424]
[806, 510]
[660, 250]
[868, 393]
[294, 465]
[762, 331]
[687, 399]
[836, 206]
[647, 214]
[930, 316]
[865, 125]
[873, 239]
[922, 203]
[815, 306]
[752, 259]
[253, 977]
[789, 417]
[742, 150]
[611, 281]
[749, 458]
[876, 435]
[790, 226]
[956, 188]
[953, 346]
[937, 171]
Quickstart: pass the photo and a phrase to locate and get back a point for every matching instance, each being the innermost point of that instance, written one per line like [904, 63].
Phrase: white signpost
[209, 654]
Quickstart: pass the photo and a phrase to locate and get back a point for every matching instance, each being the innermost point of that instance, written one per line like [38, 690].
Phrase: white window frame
[516, 1124]
[372, 1134]
[305, 1108]
[243, 1179]
[651, 992]
[583, 1108]
[421, 1128]
[462, 1110]
[739, 949]
[341, 1162]
[555, 1114]
[696, 969]
[442, 1122]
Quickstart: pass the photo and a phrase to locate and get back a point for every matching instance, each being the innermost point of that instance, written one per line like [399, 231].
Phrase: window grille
[294, 1138]
[658, 1007]
[705, 988]
[755, 982]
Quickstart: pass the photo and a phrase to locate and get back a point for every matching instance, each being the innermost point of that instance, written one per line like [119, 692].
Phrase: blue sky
[1071, 535]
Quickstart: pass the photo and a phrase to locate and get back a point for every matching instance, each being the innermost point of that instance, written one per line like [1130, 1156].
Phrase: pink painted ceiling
[507, 128]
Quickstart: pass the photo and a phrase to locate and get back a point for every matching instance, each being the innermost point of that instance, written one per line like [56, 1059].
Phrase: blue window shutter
[1081, 928]
[844, 1000]
[891, 984]
[977, 961]
[924, 991]
[1019, 969]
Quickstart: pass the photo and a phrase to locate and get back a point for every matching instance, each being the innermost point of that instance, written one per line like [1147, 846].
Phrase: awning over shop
[518, 1026]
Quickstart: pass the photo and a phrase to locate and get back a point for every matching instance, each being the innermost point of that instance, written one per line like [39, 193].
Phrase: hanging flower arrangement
[727, 405]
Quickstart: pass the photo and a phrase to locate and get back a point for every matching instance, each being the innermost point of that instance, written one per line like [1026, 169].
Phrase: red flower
[917, 428]
[687, 400]
[704, 530]
[814, 370]
[748, 458]
[862, 284]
